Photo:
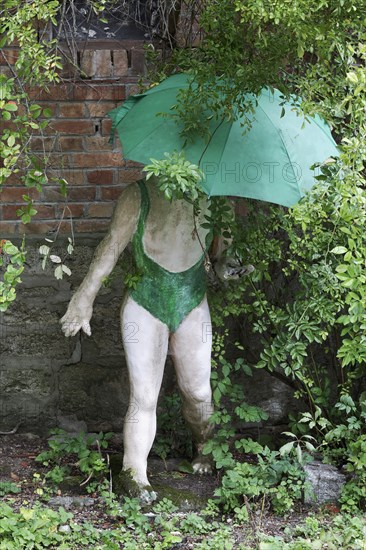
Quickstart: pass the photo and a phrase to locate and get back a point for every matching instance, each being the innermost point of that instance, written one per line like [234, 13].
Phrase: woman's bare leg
[191, 349]
[145, 341]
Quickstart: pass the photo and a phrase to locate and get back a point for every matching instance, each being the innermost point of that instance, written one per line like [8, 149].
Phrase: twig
[13, 431]
[86, 480]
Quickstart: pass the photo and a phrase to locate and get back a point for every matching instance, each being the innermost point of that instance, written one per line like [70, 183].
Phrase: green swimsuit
[168, 296]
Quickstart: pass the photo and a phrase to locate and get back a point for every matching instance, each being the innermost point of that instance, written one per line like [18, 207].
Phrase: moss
[124, 484]
[73, 484]
[183, 499]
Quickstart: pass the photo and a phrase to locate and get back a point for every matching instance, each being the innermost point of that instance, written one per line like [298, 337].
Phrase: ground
[190, 492]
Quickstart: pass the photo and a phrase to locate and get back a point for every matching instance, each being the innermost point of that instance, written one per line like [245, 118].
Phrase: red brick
[57, 160]
[95, 92]
[129, 176]
[106, 127]
[43, 143]
[51, 106]
[8, 125]
[44, 211]
[52, 194]
[13, 179]
[101, 177]
[72, 110]
[9, 211]
[6, 71]
[75, 209]
[91, 226]
[8, 55]
[132, 89]
[101, 210]
[72, 176]
[81, 194]
[67, 226]
[15, 194]
[38, 228]
[92, 160]
[101, 108]
[55, 92]
[68, 144]
[8, 228]
[69, 67]
[111, 193]
[97, 143]
[77, 127]
[133, 164]
[78, 194]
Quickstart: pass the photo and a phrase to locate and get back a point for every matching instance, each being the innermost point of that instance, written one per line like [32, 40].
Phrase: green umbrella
[271, 161]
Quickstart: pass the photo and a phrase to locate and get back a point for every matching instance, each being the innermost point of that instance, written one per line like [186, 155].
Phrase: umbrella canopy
[270, 161]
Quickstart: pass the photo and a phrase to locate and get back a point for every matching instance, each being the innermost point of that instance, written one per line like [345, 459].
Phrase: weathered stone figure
[168, 307]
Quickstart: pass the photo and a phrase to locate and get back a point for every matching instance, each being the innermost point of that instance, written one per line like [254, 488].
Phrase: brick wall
[77, 139]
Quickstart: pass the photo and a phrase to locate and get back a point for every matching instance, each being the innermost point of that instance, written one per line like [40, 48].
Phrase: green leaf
[287, 448]
[11, 106]
[339, 250]
[11, 140]
[352, 77]
[66, 270]
[59, 272]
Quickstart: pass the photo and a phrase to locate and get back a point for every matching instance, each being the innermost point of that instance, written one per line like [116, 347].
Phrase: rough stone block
[120, 63]
[96, 63]
[326, 482]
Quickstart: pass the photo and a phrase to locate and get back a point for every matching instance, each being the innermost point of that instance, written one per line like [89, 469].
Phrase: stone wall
[48, 380]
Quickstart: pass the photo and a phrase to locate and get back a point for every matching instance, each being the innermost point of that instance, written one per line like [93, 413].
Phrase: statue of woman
[168, 306]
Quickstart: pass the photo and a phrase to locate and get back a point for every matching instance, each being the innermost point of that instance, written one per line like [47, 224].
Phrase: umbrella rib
[222, 149]
[330, 137]
[149, 134]
[209, 141]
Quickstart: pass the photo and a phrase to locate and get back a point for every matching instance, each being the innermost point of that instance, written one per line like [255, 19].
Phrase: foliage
[231, 409]
[38, 65]
[173, 438]
[30, 528]
[78, 455]
[301, 313]
[8, 487]
[177, 178]
[12, 261]
[39, 527]
[61, 267]
[297, 446]
[280, 480]
[343, 531]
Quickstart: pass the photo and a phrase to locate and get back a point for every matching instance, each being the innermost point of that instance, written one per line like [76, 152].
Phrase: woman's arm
[121, 230]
